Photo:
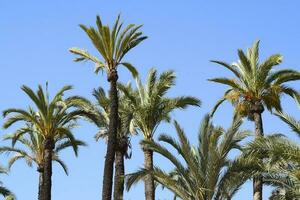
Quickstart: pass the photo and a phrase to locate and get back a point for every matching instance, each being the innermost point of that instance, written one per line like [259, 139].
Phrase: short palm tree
[33, 150]
[201, 172]
[290, 152]
[283, 156]
[151, 107]
[282, 165]
[256, 86]
[6, 193]
[52, 120]
[99, 115]
[112, 44]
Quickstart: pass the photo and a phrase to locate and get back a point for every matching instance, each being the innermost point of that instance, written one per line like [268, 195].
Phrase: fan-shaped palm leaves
[151, 107]
[203, 172]
[99, 114]
[51, 120]
[254, 87]
[33, 150]
[113, 45]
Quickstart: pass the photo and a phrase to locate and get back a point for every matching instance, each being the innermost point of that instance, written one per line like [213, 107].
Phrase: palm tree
[113, 45]
[52, 120]
[33, 150]
[290, 153]
[151, 107]
[99, 115]
[201, 172]
[256, 86]
[6, 193]
[282, 164]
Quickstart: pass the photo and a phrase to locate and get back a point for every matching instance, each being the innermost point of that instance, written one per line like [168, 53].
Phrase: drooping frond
[281, 164]
[52, 119]
[98, 114]
[289, 120]
[202, 172]
[5, 192]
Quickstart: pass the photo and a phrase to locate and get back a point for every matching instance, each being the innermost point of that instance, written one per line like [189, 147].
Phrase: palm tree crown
[52, 120]
[205, 171]
[112, 45]
[150, 104]
[255, 83]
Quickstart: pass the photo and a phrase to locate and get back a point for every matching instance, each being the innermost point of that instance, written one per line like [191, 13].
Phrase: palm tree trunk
[112, 137]
[49, 146]
[41, 183]
[119, 176]
[149, 181]
[258, 181]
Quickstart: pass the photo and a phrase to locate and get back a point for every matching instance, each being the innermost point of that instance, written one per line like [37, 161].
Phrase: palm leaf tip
[131, 69]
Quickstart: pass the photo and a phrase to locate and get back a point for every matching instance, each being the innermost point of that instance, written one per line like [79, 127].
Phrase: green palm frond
[256, 82]
[149, 103]
[112, 44]
[292, 122]
[49, 119]
[204, 172]
[98, 114]
[281, 164]
[5, 192]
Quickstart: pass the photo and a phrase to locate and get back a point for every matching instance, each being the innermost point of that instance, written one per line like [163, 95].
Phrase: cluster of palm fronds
[202, 171]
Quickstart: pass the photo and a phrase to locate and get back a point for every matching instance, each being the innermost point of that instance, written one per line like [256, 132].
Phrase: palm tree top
[256, 82]
[51, 118]
[198, 174]
[112, 44]
[149, 101]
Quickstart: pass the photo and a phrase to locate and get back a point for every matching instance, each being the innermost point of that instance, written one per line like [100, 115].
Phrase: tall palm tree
[256, 86]
[151, 107]
[202, 172]
[51, 120]
[6, 193]
[99, 115]
[33, 150]
[112, 45]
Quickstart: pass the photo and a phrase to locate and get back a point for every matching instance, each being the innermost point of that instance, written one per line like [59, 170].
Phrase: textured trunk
[112, 136]
[119, 176]
[149, 181]
[258, 181]
[41, 183]
[49, 146]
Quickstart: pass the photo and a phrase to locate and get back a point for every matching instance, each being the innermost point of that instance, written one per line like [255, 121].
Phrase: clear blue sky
[183, 35]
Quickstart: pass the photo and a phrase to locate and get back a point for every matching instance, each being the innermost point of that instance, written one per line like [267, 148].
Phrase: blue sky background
[183, 35]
